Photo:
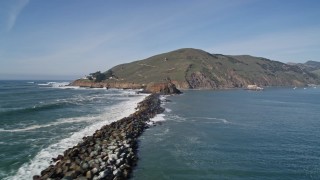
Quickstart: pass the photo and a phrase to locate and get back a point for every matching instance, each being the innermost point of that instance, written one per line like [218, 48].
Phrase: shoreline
[111, 152]
[164, 88]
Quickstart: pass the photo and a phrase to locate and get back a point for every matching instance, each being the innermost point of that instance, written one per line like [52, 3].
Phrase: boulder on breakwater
[110, 153]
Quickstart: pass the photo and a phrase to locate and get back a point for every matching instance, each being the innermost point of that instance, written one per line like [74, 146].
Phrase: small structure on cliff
[254, 88]
[85, 77]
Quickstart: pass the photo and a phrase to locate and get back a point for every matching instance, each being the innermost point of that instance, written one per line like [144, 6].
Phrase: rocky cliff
[164, 88]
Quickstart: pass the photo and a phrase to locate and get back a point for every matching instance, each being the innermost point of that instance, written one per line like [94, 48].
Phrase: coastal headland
[110, 153]
[190, 68]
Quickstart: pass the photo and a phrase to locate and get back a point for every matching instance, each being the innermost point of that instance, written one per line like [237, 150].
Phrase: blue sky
[59, 39]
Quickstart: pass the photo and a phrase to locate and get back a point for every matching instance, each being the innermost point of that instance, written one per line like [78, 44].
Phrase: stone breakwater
[110, 153]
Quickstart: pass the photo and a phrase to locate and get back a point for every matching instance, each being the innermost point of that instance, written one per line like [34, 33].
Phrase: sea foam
[58, 122]
[159, 117]
[54, 84]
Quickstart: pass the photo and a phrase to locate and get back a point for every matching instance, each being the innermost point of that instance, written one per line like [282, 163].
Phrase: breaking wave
[43, 158]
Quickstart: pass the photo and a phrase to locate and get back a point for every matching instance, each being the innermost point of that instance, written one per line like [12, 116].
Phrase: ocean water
[41, 119]
[235, 134]
[231, 134]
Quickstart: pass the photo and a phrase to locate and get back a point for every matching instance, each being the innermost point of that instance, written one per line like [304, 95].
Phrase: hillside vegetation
[194, 68]
[311, 66]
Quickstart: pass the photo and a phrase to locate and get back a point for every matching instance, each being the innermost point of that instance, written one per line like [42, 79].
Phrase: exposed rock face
[162, 88]
[181, 84]
[198, 79]
[110, 153]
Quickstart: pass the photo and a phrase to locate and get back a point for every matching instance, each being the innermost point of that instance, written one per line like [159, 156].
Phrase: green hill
[194, 68]
[311, 66]
[317, 72]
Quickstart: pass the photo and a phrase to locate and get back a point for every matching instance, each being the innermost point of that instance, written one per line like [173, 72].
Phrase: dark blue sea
[41, 119]
[235, 134]
[230, 134]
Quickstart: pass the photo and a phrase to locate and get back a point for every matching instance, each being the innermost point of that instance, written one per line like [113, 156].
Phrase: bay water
[235, 134]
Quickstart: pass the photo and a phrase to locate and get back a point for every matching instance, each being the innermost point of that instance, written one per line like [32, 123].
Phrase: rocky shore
[160, 87]
[110, 153]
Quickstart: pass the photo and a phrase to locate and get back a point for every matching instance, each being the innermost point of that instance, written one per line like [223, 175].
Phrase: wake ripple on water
[216, 120]
[43, 158]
